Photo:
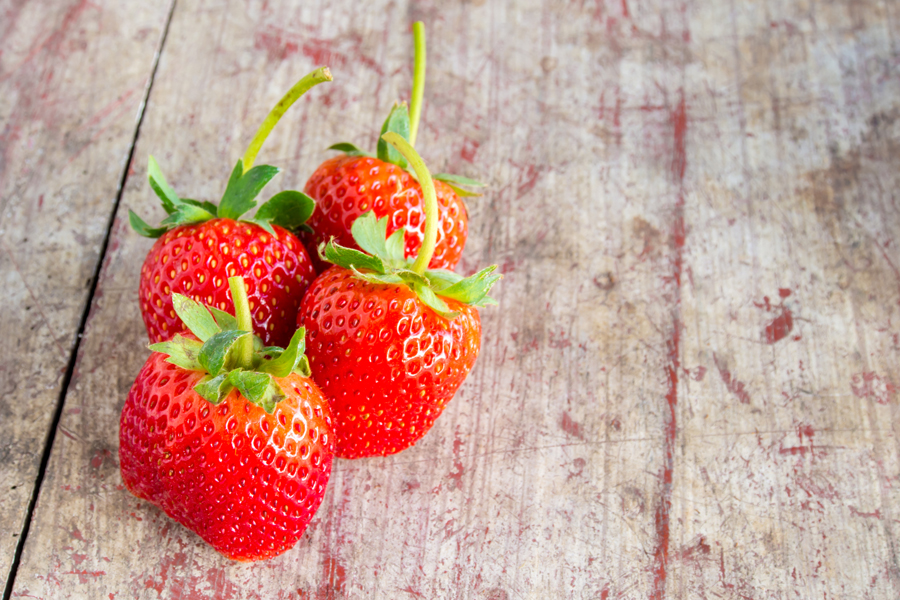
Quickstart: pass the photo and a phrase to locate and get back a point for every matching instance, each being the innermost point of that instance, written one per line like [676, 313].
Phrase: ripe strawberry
[390, 342]
[230, 439]
[347, 186]
[201, 245]
[198, 259]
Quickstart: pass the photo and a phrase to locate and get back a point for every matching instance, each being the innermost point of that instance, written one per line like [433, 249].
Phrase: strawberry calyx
[289, 209]
[231, 356]
[382, 259]
[404, 121]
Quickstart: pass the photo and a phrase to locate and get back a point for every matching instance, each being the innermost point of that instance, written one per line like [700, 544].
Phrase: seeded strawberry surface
[387, 362]
[246, 481]
[345, 187]
[196, 260]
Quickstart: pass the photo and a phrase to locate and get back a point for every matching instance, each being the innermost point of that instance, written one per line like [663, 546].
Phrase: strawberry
[229, 438]
[347, 186]
[390, 341]
[200, 245]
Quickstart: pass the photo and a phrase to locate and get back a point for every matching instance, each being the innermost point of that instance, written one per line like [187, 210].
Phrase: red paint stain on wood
[795, 450]
[409, 590]
[816, 487]
[469, 149]
[732, 383]
[83, 575]
[532, 176]
[169, 561]
[694, 551]
[334, 582]
[99, 457]
[780, 327]
[54, 40]
[677, 239]
[679, 123]
[570, 426]
[559, 340]
[865, 515]
[456, 474]
[276, 46]
[697, 374]
[321, 52]
[872, 386]
[579, 464]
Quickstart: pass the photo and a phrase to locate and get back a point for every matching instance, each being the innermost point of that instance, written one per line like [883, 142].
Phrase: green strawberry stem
[301, 87]
[243, 349]
[418, 87]
[428, 194]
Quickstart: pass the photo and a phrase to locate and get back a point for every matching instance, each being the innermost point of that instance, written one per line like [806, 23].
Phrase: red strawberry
[345, 187]
[390, 342]
[197, 260]
[238, 452]
[201, 245]
[398, 367]
[348, 186]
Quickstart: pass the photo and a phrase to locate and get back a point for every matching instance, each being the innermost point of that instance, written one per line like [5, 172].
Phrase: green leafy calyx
[286, 209]
[382, 261]
[216, 352]
[289, 209]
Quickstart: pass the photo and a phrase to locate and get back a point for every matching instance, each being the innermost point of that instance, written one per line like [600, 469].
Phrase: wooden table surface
[689, 389]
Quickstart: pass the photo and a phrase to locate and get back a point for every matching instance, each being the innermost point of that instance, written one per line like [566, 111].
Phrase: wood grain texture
[689, 388]
[72, 77]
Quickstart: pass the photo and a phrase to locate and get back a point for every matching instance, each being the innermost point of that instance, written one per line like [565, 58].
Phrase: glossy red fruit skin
[345, 187]
[197, 260]
[245, 481]
[388, 364]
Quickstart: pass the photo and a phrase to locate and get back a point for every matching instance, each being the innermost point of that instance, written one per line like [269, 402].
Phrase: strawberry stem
[418, 87]
[243, 348]
[301, 87]
[428, 195]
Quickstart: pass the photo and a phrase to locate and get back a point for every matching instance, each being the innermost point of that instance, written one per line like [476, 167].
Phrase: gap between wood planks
[73, 357]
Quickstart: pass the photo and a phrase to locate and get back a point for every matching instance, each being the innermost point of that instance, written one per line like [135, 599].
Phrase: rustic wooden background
[689, 389]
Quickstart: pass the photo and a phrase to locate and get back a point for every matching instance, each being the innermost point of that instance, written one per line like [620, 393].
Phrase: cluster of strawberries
[329, 323]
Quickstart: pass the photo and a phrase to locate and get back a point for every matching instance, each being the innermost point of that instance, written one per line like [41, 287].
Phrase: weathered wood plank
[72, 77]
[642, 422]
[787, 434]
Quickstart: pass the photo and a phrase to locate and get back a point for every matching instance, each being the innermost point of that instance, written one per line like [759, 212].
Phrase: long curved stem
[428, 195]
[301, 87]
[418, 87]
[243, 348]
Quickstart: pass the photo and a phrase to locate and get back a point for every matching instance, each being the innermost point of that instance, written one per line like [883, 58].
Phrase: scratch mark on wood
[34, 297]
[677, 240]
[734, 386]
